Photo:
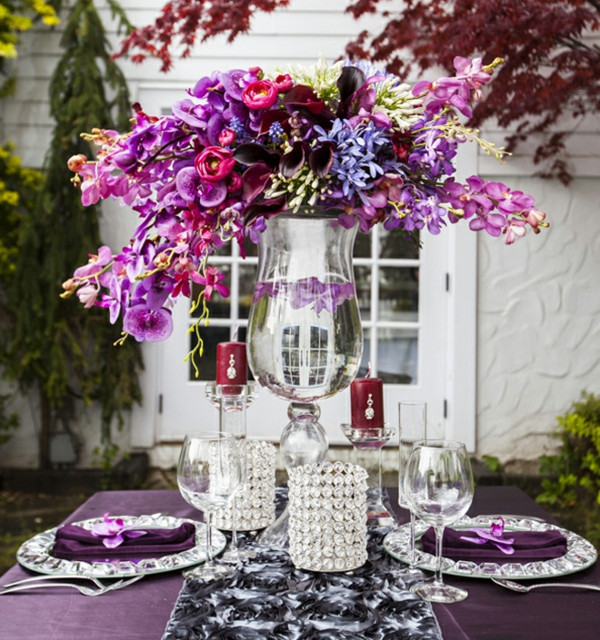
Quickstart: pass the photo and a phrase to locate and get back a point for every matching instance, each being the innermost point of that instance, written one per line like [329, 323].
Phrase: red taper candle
[366, 401]
[232, 363]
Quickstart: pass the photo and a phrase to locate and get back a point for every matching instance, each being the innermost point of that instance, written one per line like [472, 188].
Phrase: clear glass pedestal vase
[304, 334]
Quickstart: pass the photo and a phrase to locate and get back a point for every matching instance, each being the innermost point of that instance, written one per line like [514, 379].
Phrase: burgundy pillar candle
[366, 400]
[232, 363]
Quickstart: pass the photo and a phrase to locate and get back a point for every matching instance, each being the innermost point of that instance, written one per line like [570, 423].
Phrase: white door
[403, 307]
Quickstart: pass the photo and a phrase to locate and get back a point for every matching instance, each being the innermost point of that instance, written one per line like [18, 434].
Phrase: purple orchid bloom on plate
[113, 531]
[494, 535]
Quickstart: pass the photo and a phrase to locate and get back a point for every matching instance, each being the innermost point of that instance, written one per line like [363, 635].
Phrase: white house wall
[538, 334]
[539, 322]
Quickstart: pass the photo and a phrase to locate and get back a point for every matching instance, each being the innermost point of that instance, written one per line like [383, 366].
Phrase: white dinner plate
[36, 553]
[580, 552]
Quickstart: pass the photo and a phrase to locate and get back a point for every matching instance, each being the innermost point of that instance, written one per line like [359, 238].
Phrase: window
[403, 303]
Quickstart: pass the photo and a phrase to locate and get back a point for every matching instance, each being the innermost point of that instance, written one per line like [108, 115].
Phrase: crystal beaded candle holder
[255, 504]
[328, 516]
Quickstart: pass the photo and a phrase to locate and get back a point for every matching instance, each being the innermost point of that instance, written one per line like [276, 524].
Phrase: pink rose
[261, 94]
[226, 137]
[283, 82]
[214, 163]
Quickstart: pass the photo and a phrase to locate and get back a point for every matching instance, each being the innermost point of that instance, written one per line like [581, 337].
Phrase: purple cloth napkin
[73, 542]
[529, 546]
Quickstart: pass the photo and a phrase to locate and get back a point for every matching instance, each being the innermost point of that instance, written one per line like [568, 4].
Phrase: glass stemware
[412, 420]
[439, 487]
[208, 476]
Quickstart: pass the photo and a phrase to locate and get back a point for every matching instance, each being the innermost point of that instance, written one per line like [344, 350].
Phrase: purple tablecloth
[142, 610]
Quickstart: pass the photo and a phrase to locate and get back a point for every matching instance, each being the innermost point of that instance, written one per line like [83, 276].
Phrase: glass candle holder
[254, 508]
[328, 516]
[368, 444]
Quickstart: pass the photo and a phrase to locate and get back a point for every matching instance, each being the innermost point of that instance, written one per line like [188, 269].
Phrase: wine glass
[439, 487]
[208, 476]
[412, 427]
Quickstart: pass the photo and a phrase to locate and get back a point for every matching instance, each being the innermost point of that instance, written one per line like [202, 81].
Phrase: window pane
[397, 244]
[362, 277]
[225, 250]
[207, 364]
[366, 355]
[397, 352]
[246, 284]
[399, 293]
[250, 248]
[362, 245]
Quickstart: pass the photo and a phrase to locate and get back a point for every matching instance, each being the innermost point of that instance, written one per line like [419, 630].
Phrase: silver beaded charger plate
[36, 553]
[580, 552]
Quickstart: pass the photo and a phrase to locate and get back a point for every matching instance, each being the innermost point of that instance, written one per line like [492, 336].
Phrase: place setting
[436, 485]
[116, 547]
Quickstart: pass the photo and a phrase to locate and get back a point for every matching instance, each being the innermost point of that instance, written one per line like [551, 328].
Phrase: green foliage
[492, 463]
[17, 16]
[18, 189]
[573, 481]
[57, 347]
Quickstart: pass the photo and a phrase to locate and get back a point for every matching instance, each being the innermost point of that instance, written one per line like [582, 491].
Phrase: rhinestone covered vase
[255, 505]
[328, 516]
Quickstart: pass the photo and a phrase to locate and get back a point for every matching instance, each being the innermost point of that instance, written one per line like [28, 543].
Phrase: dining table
[149, 609]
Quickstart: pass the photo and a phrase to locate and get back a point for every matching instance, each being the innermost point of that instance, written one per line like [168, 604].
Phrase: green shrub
[573, 483]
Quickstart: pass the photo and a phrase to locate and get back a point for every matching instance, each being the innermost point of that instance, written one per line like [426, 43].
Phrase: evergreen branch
[117, 11]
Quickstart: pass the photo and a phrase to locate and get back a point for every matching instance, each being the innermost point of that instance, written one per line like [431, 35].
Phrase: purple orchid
[113, 531]
[243, 146]
[493, 535]
[152, 325]
[323, 296]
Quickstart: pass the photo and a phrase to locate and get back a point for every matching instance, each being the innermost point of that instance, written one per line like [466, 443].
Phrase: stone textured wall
[539, 322]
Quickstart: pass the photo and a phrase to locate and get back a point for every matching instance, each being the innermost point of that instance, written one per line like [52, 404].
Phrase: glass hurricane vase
[304, 332]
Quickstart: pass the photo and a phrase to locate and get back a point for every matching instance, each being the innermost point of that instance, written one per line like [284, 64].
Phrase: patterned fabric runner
[268, 598]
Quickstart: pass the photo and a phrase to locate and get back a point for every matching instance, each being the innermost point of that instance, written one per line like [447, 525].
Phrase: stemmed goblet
[412, 418]
[208, 476]
[439, 487]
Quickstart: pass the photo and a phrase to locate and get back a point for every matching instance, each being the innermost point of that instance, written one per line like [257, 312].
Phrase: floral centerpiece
[244, 146]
